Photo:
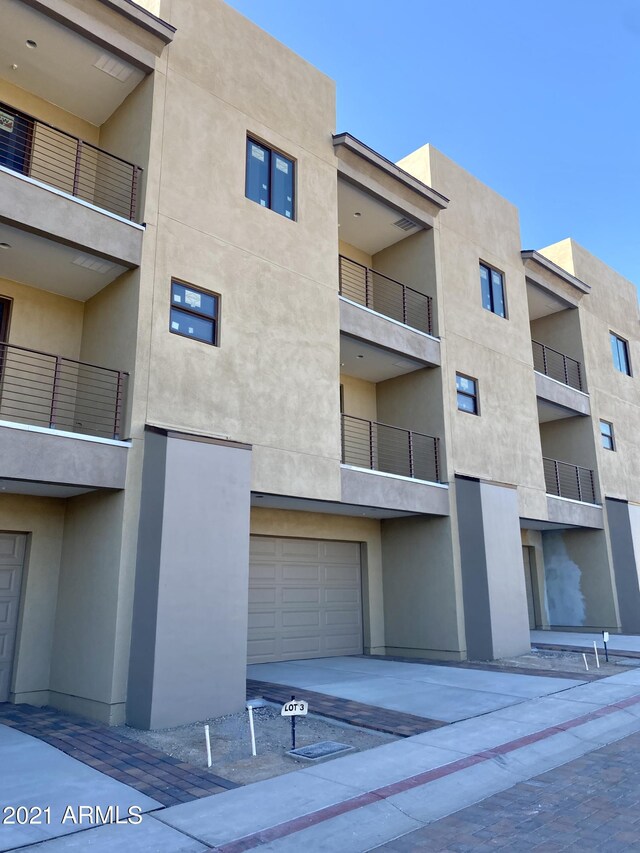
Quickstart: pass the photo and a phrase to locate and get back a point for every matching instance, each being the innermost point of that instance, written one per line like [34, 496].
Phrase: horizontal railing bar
[46, 124]
[17, 347]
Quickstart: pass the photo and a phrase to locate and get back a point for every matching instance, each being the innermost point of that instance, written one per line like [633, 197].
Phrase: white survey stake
[295, 708]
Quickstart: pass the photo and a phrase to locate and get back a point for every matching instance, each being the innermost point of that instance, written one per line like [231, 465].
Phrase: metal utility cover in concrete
[304, 599]
[316, 751]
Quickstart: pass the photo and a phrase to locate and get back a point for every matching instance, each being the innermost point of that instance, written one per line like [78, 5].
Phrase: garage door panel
[349, 575]
[262, 595]
[261, 649]
[12, 548]
[262, 546]
[340, 643]
[345, 552]
[258, 621]
[301, 645]
[341, 595]
[264, 571]
[301, 595]
[341, 618]
[315, 609]
[299, 572]
[301, 618]
[299, 548]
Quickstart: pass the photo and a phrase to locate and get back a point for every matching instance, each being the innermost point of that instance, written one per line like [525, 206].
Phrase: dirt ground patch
[572, 662]
[231, 743]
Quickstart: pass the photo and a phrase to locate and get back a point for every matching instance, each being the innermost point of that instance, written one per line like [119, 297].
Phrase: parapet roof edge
[362, 150]
[143, 17]
[536, 257]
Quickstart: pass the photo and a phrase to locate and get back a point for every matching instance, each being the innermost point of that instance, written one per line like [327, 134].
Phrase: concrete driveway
[440, 693]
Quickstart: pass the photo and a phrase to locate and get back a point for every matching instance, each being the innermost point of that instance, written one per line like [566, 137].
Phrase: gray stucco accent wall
[495, 600]
[624, 534]
[189, 637]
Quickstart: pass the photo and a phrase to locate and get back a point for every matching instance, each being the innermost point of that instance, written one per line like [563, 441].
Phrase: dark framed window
[492, 288]
[194, 313]
[270, 179]
[620, 352]
[467, 391]
[606, 434]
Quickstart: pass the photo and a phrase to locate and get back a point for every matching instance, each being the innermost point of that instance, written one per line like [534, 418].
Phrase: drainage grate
[320, 750]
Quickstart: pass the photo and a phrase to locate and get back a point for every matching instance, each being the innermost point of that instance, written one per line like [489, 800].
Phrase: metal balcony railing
[56, 392]
[556, 365]
[380, 447]
[385, 295]
[43, 152]
[569, 481]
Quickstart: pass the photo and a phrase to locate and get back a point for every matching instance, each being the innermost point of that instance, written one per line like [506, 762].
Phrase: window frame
[475, 397]
[610, 435]
[271, 149]
[491, 270]
[190, 312]
[627, 354]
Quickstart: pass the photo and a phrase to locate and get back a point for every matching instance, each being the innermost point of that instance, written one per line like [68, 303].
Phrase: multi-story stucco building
[265, 394]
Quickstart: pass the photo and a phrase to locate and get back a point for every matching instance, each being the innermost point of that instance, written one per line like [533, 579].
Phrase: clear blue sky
[540, 99]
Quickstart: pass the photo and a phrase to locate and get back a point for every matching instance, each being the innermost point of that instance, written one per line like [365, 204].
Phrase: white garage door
[304, 599]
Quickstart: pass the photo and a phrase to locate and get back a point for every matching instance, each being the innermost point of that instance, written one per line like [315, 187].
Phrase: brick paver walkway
[150, 771]
[588, 805]
[354, 713]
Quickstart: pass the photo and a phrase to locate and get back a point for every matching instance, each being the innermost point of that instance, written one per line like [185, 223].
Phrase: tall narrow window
[270, 178]
[606, 434]
[620, 352]
[467, 392]
[492, 289]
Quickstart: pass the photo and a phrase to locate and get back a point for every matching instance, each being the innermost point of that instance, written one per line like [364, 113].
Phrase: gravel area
[564, 662]
[231, 743]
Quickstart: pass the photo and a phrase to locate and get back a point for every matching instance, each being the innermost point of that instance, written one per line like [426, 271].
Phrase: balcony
[557, 366]
[60, 424]
[380, 447]
[560, 387]
[564, 480]
[50, 156]
[394, 469]
[54, 392]
[385, 295]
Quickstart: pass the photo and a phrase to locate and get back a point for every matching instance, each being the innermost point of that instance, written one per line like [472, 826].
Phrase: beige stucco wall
[359, 397]
[43, 520]
[612, 306]
[355, 254]
[45, 111]
[42, 320]
[502, 444]
[277, 364]
[308, 525]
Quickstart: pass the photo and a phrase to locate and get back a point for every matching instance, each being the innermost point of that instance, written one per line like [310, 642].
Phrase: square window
[194, 313]
[467, 393]
[270, 178]
[620, 353]
[492, 290]
[606, 434]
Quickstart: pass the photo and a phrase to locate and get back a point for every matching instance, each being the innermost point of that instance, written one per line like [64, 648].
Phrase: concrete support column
[189, 632]
[495, 598]
[422, 601]
[624, 535]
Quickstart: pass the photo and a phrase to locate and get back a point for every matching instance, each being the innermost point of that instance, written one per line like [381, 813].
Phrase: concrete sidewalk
[564, 639]
[360, 801]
